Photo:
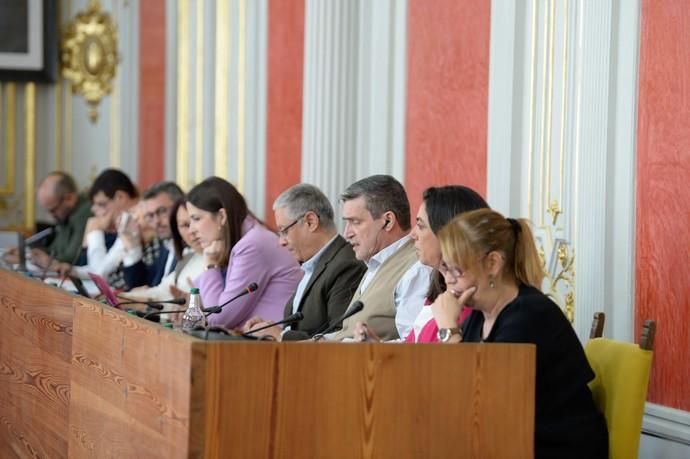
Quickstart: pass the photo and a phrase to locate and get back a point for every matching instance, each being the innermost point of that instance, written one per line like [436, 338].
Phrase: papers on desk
[69, 286]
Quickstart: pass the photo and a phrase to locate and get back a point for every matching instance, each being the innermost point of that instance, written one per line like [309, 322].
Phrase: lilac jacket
[257, 257]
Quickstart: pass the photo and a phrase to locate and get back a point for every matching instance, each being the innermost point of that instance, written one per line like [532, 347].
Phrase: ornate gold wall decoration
[554, 210]
[89, 55]
[559, 283]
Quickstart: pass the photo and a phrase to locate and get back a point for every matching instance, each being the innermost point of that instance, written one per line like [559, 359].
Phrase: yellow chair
[620, 387]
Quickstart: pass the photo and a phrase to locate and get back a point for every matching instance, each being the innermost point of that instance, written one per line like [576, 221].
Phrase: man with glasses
[304, 217]
[59, 196]
[155, 211]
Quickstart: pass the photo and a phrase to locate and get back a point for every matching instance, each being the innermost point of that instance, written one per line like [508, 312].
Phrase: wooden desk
[140, 390]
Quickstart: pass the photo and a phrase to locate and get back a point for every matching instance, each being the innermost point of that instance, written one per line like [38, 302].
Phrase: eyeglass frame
[57, 206]
[281, 233]
[456, 272]
[163, 212]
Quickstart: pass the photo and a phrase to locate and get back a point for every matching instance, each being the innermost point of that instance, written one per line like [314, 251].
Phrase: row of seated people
[463, 273]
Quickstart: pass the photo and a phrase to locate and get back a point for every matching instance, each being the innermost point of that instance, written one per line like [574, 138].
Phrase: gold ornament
[89, 55]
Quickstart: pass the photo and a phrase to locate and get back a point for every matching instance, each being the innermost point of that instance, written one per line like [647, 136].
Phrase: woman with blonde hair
[490, 264]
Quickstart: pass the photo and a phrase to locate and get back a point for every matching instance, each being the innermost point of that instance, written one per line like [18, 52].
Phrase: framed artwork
[28, 40]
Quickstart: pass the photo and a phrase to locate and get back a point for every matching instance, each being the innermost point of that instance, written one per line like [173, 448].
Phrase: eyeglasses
[283, 232]
[162, 213]
[454, 271]
[57, 206]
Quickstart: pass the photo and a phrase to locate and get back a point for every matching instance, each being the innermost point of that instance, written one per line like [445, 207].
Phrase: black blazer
[329, 291]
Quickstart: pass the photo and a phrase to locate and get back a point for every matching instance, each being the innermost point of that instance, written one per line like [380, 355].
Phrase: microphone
[216, 309]
[351, 311]
[154, 304]
[291, 319]
[157, 313]
[39, 236]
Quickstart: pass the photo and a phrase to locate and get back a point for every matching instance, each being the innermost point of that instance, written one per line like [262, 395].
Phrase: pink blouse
[425, 329]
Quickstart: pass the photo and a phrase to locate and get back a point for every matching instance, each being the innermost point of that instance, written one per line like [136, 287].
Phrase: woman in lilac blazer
[238, 251]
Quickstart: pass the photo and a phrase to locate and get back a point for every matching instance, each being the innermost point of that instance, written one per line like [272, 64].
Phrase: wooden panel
[35, 350]
[447, 95]
[131, 386]
[331, 400]
[662, 271]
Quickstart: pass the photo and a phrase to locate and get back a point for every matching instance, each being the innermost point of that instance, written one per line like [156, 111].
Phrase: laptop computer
[105, 289]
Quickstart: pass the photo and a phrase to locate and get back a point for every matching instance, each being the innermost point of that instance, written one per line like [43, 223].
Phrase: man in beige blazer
[304, 218]
[377, 225]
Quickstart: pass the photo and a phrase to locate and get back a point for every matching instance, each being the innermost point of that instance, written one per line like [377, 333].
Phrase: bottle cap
[194, 291]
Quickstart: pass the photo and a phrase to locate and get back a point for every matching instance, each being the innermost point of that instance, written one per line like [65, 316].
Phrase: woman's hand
[214, 252]
[448, 306]
[363, 333]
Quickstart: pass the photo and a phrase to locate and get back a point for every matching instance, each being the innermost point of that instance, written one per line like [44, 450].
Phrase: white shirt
[191, 270]
[410, 290]
[308, 269]
[100, 260]
[135, 254]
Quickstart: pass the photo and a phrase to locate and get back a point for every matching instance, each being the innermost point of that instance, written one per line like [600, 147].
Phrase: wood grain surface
[130, 386]
[35, 353]
[81, 379]
[370, 400]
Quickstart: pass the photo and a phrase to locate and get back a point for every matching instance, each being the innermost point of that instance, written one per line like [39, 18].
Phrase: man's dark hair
[110, 181]
[173, 191]
[64, 185]
[381, 193]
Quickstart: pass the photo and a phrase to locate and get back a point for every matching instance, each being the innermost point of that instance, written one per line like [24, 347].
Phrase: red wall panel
[284, 123]
[447, 94]
[662, 266]
[151, 92]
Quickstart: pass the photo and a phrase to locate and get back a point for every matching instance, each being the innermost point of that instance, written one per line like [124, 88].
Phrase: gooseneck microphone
[155, 304]
[39, 236]
[216, 309]
[291, 319]
[158, 313]
[351, 311]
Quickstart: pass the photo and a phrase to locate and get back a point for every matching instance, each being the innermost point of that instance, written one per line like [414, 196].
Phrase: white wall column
[354, 92]
[562, 123]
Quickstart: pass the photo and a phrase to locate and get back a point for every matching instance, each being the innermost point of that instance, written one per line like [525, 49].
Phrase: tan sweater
[379, 296]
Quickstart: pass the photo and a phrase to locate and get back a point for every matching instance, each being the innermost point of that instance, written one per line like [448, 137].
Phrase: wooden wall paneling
[130, 386]
[331, 400]
[35, 353]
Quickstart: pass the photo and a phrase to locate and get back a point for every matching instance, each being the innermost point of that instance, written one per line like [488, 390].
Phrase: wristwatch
[444, 334]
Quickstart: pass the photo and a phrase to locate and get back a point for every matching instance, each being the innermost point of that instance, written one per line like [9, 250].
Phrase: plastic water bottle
[194, 315]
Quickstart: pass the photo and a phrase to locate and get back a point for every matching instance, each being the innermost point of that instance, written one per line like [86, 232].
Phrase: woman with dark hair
[439, 206]
[190, 261]
[238, 250]
[490, 263]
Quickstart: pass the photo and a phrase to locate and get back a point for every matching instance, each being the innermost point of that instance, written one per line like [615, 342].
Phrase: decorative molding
[29, 154]
[667, 423]
[10, 150]
[563, 81]
[89, 55]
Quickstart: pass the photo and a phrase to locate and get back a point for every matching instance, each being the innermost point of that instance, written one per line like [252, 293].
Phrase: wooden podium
[81, 379]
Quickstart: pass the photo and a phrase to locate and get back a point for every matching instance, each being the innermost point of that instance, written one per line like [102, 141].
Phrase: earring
[491, 283]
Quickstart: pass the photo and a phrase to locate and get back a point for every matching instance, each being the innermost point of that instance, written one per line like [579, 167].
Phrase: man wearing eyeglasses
[59, 196]
[304, 217]
[155, 211]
